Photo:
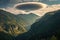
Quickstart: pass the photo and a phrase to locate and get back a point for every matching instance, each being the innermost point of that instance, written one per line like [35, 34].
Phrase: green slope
[9, 24]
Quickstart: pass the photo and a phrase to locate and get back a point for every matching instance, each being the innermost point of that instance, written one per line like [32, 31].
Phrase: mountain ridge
[15, 24]
[45, 28]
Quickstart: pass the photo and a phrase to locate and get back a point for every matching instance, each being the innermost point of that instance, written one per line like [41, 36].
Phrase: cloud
[39, 12]
[16, 11]
[50, 8]
[46, 8]
[13, 11]
[38, 3]
[30, 6]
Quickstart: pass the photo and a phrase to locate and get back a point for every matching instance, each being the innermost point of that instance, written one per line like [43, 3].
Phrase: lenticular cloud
[30, 6]
[40, 12]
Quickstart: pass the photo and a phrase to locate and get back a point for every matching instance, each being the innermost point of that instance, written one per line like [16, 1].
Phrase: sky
[9, 6]
[11, 3]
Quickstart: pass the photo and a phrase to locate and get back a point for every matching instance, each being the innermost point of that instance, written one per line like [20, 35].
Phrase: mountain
[12, 25]
[16, 24]
[48, 25]
[9, 24]
[28, 18]
[47, 19]
[5, 36]
[44, 28]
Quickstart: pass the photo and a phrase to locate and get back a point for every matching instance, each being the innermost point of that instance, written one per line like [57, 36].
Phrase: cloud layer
[39, 12]
[50, 8]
